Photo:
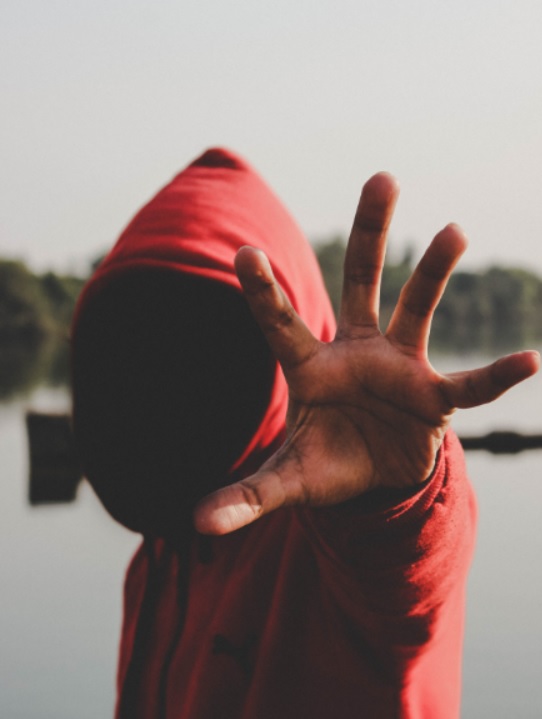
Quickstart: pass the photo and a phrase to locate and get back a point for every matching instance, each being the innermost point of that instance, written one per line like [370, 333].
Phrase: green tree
[331, 257]
[24, 310]
[61, 293]
[35, 316]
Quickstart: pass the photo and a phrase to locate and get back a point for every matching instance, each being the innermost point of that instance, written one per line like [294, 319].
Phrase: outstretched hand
[366, 410]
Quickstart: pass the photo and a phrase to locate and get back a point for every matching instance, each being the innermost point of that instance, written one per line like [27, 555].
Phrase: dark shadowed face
[171, 377]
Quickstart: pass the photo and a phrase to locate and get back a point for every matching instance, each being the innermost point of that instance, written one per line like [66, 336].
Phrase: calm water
[61, 570]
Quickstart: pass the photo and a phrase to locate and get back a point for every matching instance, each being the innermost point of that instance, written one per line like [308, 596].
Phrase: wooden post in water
[503, 442]
[55, 472]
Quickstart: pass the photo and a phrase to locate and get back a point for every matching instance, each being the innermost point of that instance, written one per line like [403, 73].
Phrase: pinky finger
[480, 386]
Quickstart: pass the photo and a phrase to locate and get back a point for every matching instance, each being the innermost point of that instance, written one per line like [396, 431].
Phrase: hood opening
[172, 377]
[175, 389]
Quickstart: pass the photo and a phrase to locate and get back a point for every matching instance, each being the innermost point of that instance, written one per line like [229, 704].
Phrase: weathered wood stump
[55, 471]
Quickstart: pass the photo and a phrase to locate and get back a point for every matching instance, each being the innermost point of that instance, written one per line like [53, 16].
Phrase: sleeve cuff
[385, 507]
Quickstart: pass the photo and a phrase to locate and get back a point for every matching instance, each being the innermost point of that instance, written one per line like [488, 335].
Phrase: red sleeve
[399, 570]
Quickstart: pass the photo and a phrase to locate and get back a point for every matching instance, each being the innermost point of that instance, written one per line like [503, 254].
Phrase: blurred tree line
[35, 315]
[497, 310]
[33, 307]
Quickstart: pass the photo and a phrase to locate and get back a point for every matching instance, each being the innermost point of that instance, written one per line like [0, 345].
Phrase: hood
[194, 226]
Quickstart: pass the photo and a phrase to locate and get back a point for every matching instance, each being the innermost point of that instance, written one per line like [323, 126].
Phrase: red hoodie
[350, 611]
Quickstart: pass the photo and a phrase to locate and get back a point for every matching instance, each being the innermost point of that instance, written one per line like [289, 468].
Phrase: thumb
[233, 507]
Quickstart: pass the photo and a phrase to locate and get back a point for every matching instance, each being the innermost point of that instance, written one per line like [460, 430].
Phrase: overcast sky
[104, 100]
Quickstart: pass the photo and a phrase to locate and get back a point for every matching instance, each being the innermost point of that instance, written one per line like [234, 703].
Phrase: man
[310, 569]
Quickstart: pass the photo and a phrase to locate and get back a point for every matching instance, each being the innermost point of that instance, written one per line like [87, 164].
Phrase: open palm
[366, 410]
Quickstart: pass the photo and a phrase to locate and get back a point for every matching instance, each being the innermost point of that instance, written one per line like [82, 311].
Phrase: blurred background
[103, 102]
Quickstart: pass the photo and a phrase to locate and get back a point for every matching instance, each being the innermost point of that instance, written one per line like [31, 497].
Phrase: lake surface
[62, 566]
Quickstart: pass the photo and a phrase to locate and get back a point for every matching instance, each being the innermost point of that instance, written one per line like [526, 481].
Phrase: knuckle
[434, 269]
[472, 389]
[259, 286]
[420, 295]
[252, 497]
[368, 220]
[444, 392]
[366, 276]
[420, 307]
[283, 317]
[358, 329]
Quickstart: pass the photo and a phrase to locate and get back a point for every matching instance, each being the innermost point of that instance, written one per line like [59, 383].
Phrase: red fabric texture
[351, 611]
